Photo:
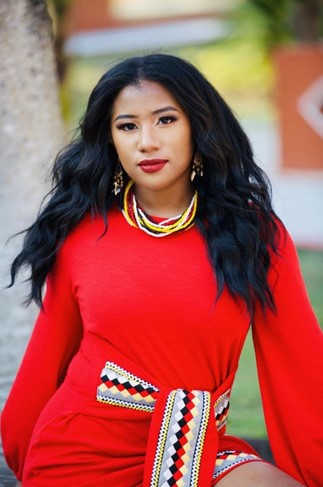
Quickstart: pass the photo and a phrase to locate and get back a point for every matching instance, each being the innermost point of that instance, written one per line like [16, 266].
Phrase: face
[153, 137]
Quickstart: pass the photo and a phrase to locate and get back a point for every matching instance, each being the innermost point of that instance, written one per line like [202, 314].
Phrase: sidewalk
[297, 195]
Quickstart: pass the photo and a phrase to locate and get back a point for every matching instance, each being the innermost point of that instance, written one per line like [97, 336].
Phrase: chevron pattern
[121, 388]
[221, 410]
[181, 439]
[182, 429]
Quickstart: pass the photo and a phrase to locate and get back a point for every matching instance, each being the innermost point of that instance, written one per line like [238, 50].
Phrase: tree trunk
[31, 132]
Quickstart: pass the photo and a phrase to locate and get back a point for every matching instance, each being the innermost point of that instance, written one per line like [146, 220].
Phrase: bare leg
[257, 474]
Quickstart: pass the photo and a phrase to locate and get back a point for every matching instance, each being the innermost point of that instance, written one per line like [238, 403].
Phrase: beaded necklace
[136, 217]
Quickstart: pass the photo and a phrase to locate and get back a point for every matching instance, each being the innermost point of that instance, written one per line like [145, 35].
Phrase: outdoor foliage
[275, 22]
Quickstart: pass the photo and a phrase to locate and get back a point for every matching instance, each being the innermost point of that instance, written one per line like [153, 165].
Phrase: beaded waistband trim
[229, 459]
[182, 428]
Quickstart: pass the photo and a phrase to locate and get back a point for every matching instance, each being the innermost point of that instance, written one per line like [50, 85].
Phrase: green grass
[246, 417]
[312, 268]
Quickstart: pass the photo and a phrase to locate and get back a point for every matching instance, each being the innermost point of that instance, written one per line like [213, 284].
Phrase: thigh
[257, 474]
[102, 445]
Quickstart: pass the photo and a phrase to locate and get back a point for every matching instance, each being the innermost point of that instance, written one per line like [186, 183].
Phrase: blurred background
[264, 56]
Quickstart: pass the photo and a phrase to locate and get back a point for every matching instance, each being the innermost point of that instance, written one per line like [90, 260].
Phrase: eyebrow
[155, 112]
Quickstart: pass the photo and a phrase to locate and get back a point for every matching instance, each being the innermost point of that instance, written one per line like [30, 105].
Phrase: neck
[166, 203]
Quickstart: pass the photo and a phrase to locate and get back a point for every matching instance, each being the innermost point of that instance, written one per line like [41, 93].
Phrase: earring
[197, 167]
[118, 178]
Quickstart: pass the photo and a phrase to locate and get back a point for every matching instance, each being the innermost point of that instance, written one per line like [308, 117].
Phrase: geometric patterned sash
[181, 438]
[121, 388]
[182, 424]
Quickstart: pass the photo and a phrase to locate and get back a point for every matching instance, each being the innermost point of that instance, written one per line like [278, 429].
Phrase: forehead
[147, 95]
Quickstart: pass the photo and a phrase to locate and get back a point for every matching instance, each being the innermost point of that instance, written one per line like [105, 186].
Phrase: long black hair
[235, 214]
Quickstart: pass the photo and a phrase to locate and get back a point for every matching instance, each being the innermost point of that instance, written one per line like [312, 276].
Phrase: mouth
[152, 165]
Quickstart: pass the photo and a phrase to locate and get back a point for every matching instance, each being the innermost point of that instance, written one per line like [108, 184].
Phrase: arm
[55, 339]
[289, 346]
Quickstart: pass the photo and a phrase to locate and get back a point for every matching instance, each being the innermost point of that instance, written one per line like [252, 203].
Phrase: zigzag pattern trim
[120, 388]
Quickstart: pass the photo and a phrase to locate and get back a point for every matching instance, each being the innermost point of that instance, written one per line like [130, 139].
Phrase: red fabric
[289, 359]
[148, 304]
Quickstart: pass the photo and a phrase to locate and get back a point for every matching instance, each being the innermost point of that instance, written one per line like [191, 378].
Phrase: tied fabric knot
[183, 441]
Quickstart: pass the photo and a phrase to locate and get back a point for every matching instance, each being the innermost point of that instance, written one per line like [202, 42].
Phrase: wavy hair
[235, 213]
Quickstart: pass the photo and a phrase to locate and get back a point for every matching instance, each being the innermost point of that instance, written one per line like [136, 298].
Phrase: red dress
[147, 306]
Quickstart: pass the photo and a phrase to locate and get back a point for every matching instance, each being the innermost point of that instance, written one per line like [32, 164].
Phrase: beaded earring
[118, 178]
[197, 167]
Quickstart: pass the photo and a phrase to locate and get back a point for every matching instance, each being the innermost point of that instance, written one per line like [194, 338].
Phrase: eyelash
[129, 126]
[125, 126]
[171, 119]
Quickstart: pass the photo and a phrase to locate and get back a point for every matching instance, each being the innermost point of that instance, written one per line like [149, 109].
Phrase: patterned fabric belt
[183, 440]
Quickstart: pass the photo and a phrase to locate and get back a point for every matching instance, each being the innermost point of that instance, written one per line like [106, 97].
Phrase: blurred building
[299, 93]
[116, 26]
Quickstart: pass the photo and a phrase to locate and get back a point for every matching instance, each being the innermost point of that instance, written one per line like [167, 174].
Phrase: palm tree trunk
[31, 131]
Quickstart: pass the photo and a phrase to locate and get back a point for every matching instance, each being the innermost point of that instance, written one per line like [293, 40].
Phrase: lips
[152, 165]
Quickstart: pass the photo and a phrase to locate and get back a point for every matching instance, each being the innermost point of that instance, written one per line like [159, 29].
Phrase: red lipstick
[152, 165]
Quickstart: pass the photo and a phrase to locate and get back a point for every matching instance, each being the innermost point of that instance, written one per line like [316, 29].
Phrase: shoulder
[90, 230]
[285, 245]
[285, 264]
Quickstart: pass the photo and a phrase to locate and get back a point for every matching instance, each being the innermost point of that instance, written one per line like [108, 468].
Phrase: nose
[147, 139]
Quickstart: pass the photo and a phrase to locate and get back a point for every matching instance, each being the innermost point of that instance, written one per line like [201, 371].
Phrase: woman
[159, 247]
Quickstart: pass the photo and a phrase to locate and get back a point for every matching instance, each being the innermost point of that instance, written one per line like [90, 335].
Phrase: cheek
[187, 135]
[184, 144]
[116, 138]
[121, 144]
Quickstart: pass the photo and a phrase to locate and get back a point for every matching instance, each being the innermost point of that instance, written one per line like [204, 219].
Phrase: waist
[185, 423]
[120, 387]
[85, 369]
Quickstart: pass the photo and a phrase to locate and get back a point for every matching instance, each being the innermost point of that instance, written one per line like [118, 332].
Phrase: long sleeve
[55, 338]
[289, 351]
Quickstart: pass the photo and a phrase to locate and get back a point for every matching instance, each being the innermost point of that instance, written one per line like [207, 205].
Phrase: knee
[257, 474]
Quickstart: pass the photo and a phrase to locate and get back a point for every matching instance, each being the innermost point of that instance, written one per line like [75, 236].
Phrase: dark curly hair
[235, 213]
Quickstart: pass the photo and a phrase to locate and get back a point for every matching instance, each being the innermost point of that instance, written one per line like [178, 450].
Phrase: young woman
[159, 247]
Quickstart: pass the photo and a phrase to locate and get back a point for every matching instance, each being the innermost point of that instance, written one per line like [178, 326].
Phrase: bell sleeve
[54, 341]
[289, 351]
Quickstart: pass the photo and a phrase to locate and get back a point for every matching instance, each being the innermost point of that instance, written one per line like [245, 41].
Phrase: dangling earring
[197, 167]
[118, 178]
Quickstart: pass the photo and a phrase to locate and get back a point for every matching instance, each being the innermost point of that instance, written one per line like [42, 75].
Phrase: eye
[166, 119]
[126, 127]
